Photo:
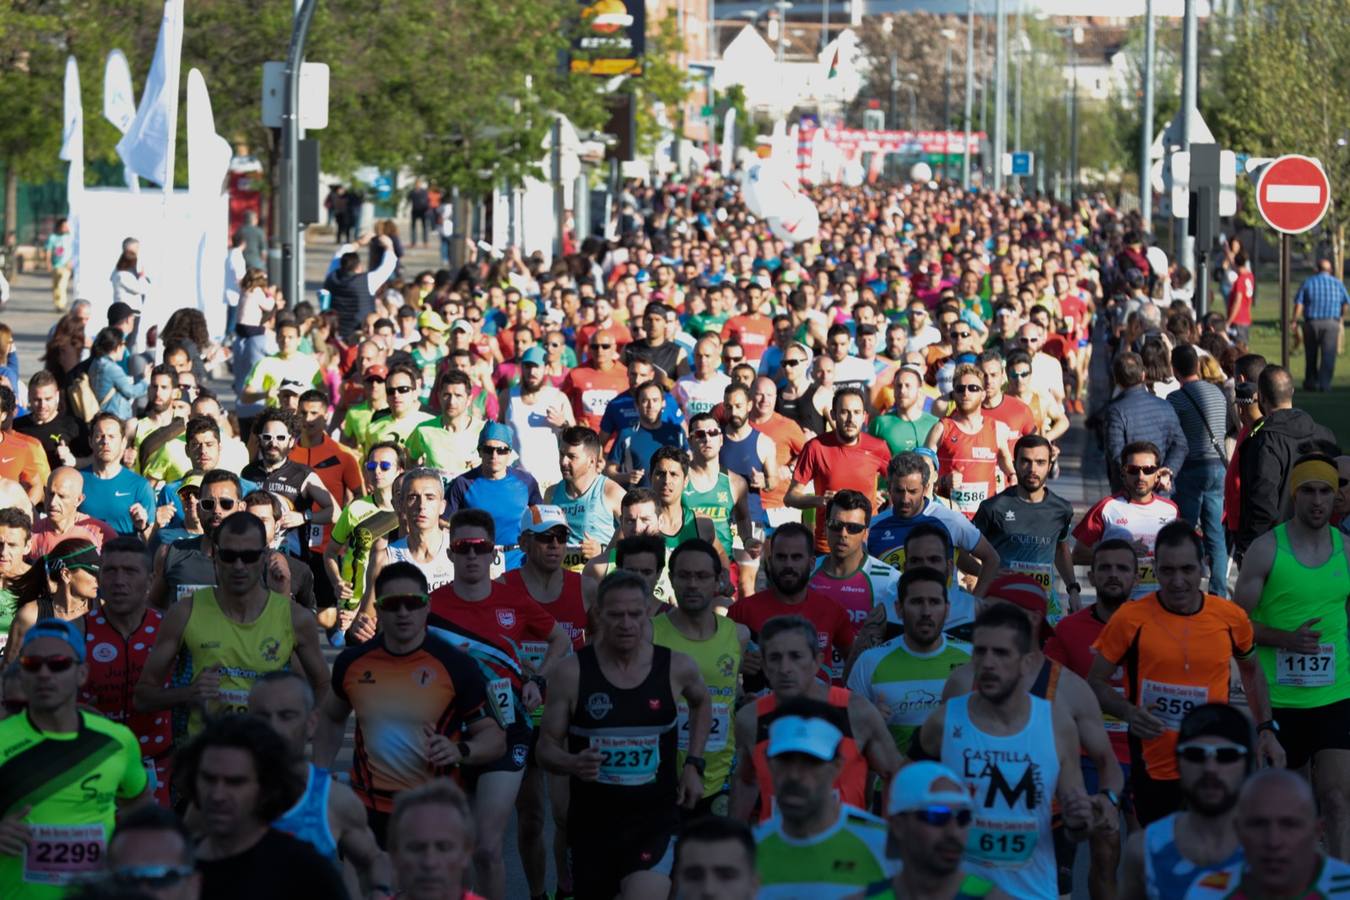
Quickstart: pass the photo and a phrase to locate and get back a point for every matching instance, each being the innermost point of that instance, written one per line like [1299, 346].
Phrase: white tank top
[533, 437]
[1012, 781]
[440, 571]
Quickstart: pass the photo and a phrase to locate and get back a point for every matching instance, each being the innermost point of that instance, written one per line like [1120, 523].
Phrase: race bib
[1042, 572]
[314, 535]
[717, 736]
[1144, 574]
[502, 695]
[61, 854]
[1110, 721]
[968, 496]
[628, 761]
[1306, 669]
[573, 559]
[1002, 843]
[1171, 702]
[231, 701]
[187, 590]
[533, 652]
[596, 402]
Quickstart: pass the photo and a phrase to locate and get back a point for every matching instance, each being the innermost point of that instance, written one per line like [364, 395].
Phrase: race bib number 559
[1171, 702]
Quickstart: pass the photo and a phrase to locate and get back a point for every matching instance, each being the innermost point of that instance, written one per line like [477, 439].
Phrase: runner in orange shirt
[22, 458]
[788, 439]
[1176, 646]
[971, 446]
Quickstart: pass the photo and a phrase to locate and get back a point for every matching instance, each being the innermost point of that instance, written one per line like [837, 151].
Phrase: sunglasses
[209, 504]
[153, 877]
[1221, 753]
[793, 362]
[274, 438]
[550, 537]
[602, 346]
[961, 334]
[373, 378]
[248, 557]
[1141, 470]
[967, 389]
[383, 465]
[474, 546]
[706, 433]
[54, 664]
[1019, 374]
[938, 816]
[402, 602]
[402, 389]
[498, 451]
[850, 527]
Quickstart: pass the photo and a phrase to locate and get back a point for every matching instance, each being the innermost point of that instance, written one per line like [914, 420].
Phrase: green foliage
[462, 92]
[734, 98]
[662, 85]
[1283, 76]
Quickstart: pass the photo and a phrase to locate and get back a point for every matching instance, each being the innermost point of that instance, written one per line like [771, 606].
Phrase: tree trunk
[11, 202]
[1338, 251]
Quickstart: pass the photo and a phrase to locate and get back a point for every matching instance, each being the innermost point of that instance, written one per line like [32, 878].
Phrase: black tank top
[634, 729]
[187, 568]
[284, 481]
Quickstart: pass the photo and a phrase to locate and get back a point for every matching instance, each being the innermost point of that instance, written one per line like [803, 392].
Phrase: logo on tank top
[599, 705]
[506, 618]
[654, 704]
[726, 665]
[104, 652]
[270, 649]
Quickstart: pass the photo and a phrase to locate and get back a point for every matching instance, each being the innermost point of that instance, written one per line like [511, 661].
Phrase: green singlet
[714, 504]
[972, 888]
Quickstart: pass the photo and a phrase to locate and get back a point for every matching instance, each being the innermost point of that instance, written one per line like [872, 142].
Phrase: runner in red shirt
[971, 447]
[791, 560]
[846, 458]
[592, 386]
[490, 622]
[752, 329]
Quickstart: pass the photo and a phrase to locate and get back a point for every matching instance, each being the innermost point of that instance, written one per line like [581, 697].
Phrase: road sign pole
[1284, 299]
[292, 272]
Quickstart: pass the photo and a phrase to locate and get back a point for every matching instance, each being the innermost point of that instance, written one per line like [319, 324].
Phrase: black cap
[1218, 720]
[119, 312]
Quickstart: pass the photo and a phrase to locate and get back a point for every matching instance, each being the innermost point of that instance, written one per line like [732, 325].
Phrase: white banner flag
[119, 99]
[147, 148]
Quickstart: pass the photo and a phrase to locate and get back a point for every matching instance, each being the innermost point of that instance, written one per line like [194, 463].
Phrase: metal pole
[913, 100]
[1000, 90]
[292, 280]
[1146, 132]
[947, 111]
[1073, 129]
[1284, 300]
[782, 27]
[970, 91]
[895, 85]
[1184, 243]
[824, 24]
[1017, 85]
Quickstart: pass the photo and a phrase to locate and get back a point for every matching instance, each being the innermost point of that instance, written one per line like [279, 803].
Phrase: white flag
[119, 100]
[72, 131]
[729, 142]
[147, 148]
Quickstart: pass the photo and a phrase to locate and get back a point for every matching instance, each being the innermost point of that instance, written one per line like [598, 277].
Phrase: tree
[1286, 90]
[663, 86]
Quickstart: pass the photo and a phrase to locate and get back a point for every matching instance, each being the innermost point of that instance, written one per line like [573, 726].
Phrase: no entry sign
[1293, 194]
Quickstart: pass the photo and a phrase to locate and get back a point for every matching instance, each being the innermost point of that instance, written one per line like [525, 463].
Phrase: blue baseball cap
[59, 629]
[494, 431]
[533, 356]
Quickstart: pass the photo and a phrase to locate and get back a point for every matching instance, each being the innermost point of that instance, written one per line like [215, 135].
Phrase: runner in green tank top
[716, 644]
[678, 523]
[1294, 582]
[712, 493]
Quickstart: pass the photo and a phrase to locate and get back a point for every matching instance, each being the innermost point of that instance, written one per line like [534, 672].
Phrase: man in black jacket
[1266, 457]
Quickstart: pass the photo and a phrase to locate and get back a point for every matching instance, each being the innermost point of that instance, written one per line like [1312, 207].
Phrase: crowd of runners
[716, 567]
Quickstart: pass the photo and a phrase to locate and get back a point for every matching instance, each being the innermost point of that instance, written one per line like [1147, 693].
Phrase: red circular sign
[1293, 194]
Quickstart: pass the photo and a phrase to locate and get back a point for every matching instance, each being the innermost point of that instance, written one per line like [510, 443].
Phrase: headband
[1313, 470]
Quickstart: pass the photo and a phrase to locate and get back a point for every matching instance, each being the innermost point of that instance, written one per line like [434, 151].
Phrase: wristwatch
[1268, 725]
[464, 751]
[699, 763]
[1073, 587]
[541, 681]
[1112, 796]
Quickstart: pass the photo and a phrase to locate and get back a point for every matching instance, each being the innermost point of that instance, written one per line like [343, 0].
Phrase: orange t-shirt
[22, 459]
[1174, 663]
[590, 391]
[788, 441]
[338, 468]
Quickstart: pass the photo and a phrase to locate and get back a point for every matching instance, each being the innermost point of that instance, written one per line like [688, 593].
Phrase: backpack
[80, 397]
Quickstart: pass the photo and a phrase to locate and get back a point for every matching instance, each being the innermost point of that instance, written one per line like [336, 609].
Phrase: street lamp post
[1000, 90]
[888, 27]
[970, 91]
[824, 24]
[1146, 132]
[950, 35]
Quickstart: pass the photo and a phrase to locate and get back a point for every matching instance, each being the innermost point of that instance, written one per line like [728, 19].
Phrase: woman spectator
[187, 328]
[1158, 368]
[9, 358]
[64, 349]
[387, 228]
[112, 386]
[130, 286]
[256, 304]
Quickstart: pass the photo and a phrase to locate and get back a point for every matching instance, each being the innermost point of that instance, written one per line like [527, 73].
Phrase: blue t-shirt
[111, 499]
[505, 499]
[886, 538]
[622, 413]
[635, 445]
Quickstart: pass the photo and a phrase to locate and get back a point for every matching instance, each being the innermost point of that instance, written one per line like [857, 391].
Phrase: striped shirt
[1191, 401]
[1322, 297]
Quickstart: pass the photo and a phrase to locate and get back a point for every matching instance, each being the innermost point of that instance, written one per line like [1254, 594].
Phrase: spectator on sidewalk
[1202, 410]
[1320, 303]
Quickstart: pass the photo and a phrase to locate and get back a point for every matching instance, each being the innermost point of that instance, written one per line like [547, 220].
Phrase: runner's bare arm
[873, 737]
[768, 458]
[551, 750]
[306, 630]
[1076, 808]
[333, 715]
[934, 437]
[158, 587]
[1258, 701]
[150, 694]
[1064, 565]
[355, 839]
[1087, 717]
[870, 634]
[988, 565]
[706, 530]
[930, 733]
[313, 489]
[1132, 869]
[559, 645]
[1256, 565]
[744, 787]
